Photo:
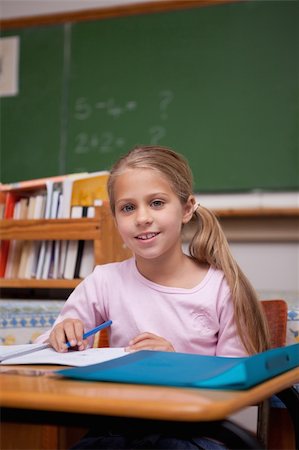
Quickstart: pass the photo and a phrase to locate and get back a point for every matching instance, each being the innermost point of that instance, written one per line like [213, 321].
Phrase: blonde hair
[208, 245]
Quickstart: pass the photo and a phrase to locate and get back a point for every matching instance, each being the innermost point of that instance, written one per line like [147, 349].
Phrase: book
[190, 370]
[65, 213]
[34, 246]
[16, 246]
[49, 255]
[55, 244]
[2, 204]
[72, 249]
[57, 247]
[87, 190]
[27, 247]
[13, 243]
[52, 188]
[87, 260]
[81, 245]
[10, 201]
[46, 259]
[44, 354]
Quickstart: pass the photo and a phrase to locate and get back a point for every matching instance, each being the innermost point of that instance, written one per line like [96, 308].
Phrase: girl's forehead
[136, 173]
[139, 178]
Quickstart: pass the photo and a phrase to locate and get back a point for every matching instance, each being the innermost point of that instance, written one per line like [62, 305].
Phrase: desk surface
[47, 393]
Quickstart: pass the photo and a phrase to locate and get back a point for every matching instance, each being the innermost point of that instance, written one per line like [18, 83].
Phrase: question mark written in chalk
[157, 132]
[167, 97]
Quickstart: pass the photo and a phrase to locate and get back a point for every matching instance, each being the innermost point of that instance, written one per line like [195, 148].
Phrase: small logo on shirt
[202, 322]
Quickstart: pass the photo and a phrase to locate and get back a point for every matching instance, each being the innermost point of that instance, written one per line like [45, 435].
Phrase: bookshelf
[100, 229]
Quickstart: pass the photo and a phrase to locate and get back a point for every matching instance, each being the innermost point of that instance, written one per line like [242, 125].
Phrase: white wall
[254, 199]
[273, 268]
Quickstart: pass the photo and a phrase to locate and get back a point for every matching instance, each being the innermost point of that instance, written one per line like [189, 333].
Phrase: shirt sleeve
[80, 305]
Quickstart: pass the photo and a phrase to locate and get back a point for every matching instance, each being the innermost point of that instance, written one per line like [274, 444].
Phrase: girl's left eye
[157, 203]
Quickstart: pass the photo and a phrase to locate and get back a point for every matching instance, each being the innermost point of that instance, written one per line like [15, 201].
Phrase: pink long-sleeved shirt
[198, 320]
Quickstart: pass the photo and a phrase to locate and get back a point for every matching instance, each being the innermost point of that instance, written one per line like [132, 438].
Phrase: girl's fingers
[149, 341]
[70, 330]
[79, 330]
[141, 337]
[73, 330]
[57, 339]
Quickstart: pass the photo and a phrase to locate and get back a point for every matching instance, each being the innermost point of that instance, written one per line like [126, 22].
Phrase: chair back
[103, 339]
[276, 312]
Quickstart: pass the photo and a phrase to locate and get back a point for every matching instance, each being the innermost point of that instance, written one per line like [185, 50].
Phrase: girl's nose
[143, 216]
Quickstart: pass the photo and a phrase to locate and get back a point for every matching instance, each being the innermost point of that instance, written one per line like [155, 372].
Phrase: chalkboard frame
[107, 12]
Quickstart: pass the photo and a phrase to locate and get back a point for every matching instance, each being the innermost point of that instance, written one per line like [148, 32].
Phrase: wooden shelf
[50, 229]
[39, 284]
[257, 212]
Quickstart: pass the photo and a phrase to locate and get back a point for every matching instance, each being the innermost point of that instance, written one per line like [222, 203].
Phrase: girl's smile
[147, 236]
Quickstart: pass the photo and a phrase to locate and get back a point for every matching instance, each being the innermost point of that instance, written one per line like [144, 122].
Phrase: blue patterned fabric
[21, 321]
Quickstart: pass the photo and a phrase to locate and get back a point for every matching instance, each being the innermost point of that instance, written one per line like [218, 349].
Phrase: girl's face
[148, 213]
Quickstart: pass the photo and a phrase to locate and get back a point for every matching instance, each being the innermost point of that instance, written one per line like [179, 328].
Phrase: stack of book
[65, 196]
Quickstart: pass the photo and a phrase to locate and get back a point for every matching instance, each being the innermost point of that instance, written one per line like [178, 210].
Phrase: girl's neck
[181, 271]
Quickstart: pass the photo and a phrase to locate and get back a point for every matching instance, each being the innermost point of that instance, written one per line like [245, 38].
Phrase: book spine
[34, 247]
[81, 245]
[4, 246]
[72, 249]
[87, 262]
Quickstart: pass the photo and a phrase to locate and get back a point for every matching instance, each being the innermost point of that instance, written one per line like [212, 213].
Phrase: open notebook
[189, 370]
[43, 354]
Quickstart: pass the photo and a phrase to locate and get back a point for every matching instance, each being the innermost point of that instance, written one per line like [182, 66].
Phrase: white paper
[50, 356]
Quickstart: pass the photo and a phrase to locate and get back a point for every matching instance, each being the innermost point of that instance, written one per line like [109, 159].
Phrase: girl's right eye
[127, 208]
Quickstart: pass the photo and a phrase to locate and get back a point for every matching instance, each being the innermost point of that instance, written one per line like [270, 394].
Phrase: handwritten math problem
[109, 111]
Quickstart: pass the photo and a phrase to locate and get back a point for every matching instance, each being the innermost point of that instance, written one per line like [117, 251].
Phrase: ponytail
[209, 245]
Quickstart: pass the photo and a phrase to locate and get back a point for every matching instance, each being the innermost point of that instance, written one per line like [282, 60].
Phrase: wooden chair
[276, 312]
[275, 427]
[102, 339]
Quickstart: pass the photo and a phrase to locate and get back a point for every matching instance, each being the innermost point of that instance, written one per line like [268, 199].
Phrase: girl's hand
[69, 330]
[149, 341]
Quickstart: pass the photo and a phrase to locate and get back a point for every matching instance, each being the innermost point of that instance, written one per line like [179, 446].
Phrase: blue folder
[190, 370]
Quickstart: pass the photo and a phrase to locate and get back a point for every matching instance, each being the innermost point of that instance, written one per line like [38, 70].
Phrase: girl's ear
[189, 209]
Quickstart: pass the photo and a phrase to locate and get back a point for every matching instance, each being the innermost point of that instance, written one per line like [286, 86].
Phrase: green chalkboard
[31, 121]
[219, 84]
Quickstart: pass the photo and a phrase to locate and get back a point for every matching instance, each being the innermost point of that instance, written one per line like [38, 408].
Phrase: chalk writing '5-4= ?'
[84, 109]
[106, 142]
[115, 109]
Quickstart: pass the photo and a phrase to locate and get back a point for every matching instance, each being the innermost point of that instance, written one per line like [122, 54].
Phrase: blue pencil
[94, 330]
